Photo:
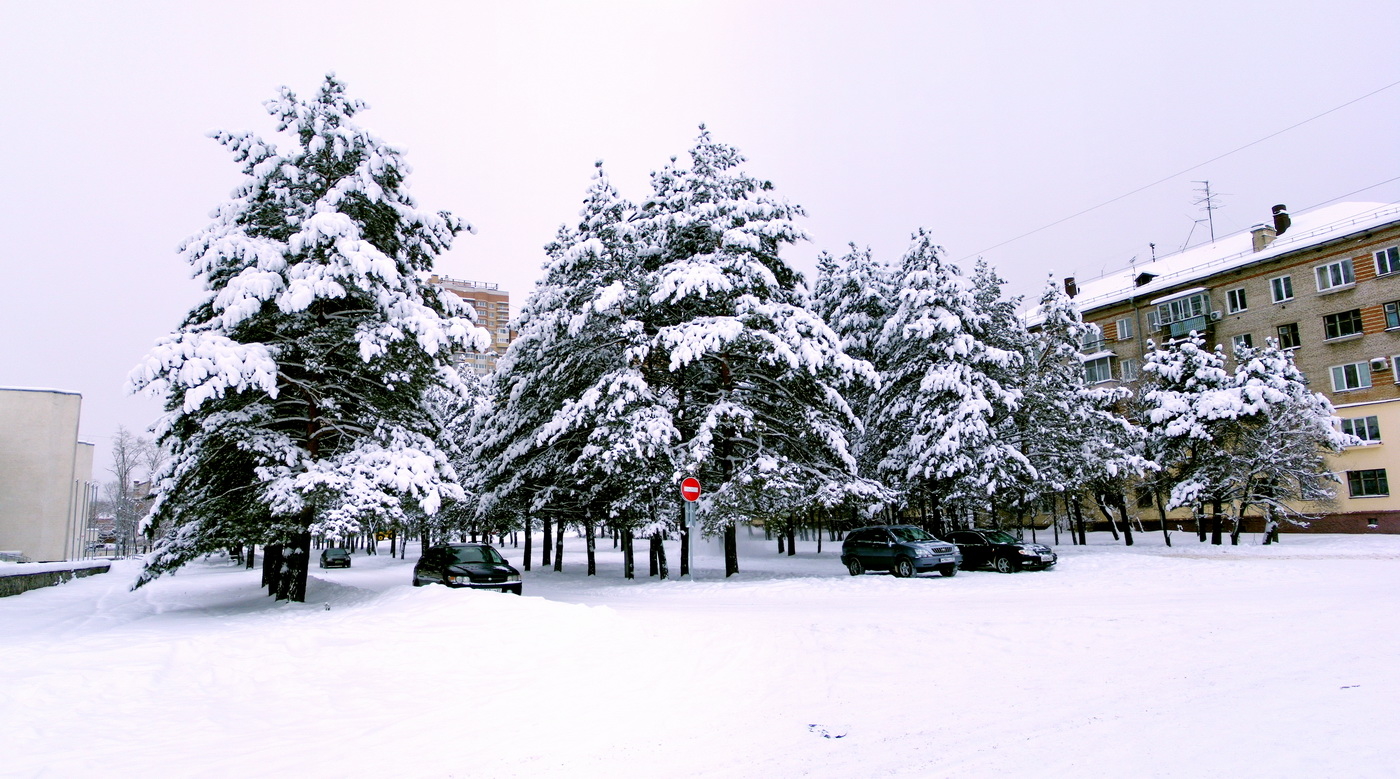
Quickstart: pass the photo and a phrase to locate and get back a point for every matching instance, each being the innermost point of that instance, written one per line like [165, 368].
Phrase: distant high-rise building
[492, 306]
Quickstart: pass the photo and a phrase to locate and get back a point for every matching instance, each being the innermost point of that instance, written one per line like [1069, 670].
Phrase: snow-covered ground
[1190, 661]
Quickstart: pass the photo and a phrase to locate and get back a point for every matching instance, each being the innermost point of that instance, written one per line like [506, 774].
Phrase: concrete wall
[12, 583]
[40, 478]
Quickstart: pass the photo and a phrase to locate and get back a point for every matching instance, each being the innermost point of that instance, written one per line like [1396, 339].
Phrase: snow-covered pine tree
[755, 381]
[1076, 435]
[855, 296]
[576, 434]
[936, 428]
[1180, 386]
[1279, 434]
[294, 390]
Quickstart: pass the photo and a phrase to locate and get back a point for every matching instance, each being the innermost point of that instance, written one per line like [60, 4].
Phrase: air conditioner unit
[1379, 364]
[1215, 316]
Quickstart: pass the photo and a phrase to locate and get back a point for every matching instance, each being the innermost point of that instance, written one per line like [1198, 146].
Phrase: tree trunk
[592, 548]
[1162, 512]
[782, 538]
[1079, 519]
[658, 553]
[559, 546]
[817, 524]
[1054, 520]
[628, 561]
[248, 561]
[1122, 506]
[731, 551]
[1217, 521]
[1199, 512]
[792, 536]
[685, 550]
[298, 564]
[1100, 501]
[1239, 525]
[272, 565]
[529, 539]
[652, 562]
[547, 546]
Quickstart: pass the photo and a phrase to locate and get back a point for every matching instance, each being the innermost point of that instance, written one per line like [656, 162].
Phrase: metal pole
[694, 537]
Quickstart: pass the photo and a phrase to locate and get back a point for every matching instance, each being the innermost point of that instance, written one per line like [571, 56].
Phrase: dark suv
[1001, 551]
[478, 566]
[903, 550]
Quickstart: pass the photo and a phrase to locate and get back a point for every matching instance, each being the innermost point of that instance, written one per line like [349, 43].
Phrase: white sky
[978, 120]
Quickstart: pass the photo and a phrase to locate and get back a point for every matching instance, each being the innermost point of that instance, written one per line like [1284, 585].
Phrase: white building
[46, 484]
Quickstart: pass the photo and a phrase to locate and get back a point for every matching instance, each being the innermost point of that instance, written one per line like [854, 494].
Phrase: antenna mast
[1210, 205]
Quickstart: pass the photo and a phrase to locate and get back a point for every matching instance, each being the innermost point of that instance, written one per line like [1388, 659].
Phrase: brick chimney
[1262, 236]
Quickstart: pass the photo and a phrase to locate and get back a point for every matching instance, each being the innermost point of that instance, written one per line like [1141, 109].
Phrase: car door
[432, 565]
[881, 549]
[975, 549]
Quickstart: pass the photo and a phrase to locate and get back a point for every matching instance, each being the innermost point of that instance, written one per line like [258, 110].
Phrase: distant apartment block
[492, 306]
[1324, 283]
[46, 485]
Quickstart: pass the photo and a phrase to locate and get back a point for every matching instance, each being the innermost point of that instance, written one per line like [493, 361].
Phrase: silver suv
[903, 550]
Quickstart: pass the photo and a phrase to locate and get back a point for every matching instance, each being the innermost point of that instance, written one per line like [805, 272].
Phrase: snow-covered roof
[1236, 250]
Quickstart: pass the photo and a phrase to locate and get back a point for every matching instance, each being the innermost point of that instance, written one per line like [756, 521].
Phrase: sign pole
[690, 492]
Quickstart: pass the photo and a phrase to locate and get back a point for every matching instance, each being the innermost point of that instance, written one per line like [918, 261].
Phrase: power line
[1165, 179]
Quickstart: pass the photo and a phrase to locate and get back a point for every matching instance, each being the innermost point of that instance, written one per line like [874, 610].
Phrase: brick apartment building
[492, 306]
[1325, 283]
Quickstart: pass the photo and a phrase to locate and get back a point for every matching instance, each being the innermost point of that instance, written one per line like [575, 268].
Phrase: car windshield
[337, 553]
[999, 537]
[911, 534]
[475, 554]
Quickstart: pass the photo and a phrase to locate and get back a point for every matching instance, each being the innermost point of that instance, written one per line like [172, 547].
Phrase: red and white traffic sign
[690, 488]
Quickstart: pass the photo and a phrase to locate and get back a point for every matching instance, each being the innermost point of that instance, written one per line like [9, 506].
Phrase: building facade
[492, 306]
[1325, 284]
[46, 485]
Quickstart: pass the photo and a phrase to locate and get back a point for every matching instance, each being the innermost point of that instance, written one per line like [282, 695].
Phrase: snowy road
[1194, 661]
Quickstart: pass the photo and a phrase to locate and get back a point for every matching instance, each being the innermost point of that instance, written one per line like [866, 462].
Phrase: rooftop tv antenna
[1210, 205]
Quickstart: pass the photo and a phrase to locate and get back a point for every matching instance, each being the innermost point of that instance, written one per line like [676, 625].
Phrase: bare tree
[131, 455]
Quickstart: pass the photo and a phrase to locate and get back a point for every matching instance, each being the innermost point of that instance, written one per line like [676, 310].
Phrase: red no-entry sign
[690, 488]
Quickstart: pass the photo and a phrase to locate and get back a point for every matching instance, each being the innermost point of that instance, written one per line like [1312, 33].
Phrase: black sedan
[1001, 551]
[335, 557]
[478, 566]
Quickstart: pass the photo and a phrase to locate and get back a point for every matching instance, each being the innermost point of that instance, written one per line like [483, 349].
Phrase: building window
[1152, 322]
[1388, 261]
[1245, 341]
[1125, 328]
[1392, 314]
[1288, 336]
[1367, 484]
[1334, 275]
[1099, 370]
[1349, 377]
[1092, 339]
[1368, 429]
[1129, 369]
[1235, 301]
[1282, 288]
[1342, 325]
[1181, 309]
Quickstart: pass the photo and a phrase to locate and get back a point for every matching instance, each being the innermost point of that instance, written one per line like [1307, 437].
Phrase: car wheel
[855, 567]
[948, 570]
[417, 583]
[902, 569]
[1004, 565]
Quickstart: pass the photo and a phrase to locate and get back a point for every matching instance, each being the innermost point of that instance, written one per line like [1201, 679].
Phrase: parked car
[335, 557]
[1001, 550]
[478, 566]
[903, 550]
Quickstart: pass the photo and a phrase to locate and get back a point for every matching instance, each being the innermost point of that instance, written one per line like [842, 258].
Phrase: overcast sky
[979, 120]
